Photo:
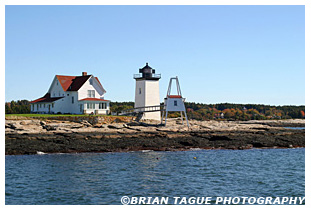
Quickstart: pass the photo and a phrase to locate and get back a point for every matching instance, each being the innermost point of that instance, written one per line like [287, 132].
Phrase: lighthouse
[147, 91]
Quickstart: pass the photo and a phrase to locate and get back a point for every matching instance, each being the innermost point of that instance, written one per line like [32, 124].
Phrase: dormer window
[91, 93]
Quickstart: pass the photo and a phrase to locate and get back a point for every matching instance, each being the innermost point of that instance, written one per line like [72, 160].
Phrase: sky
[234, 54]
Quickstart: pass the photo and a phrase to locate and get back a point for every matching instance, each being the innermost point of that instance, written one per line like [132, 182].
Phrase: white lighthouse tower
[147, 91]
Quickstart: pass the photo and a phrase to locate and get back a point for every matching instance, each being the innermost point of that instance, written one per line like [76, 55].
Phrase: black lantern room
[147, 73]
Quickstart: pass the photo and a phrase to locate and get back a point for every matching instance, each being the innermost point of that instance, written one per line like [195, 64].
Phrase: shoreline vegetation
[74, 134]
[200, 111]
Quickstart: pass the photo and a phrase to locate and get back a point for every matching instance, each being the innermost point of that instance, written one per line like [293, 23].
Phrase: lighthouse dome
[147, 73]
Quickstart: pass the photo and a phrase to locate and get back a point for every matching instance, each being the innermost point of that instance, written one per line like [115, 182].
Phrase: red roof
[174, 96]
[45, 98]
[65, 81]
[93, 99]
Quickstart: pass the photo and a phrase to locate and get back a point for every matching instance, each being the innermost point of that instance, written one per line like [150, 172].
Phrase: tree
[17, 107]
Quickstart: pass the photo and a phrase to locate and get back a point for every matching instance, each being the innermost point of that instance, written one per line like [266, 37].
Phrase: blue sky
[235, 54]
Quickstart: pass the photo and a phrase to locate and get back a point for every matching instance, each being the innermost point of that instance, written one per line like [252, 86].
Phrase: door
[81, 108]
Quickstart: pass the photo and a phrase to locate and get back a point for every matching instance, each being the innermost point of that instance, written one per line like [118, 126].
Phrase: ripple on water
[103, 178]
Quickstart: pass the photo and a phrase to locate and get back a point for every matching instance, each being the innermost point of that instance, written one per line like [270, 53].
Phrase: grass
[55, 115]
[40, 115]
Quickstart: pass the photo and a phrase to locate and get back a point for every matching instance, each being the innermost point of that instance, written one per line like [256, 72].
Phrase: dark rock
[133, 123]
[165, 140]
[49, 127]
[10, 125]
[186, 143]
[113, 127]
[216, 138]
[86, 123]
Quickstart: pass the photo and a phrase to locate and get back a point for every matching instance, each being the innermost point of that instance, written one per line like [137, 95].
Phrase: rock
[248, 146]
[134, 129]
[133, 123]
[104, 126]
[86, 123]
[24, 122]
[76, 126]
[115, 126]
[29, 122]
[59, 136]
[183, 129]
[97, 126]
[49, 127]
[117, 120]
[10, 125]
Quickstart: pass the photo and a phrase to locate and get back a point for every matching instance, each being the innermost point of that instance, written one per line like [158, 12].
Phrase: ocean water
[296, 128]
[103, 178]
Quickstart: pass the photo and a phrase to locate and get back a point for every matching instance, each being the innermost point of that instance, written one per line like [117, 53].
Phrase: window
[72, 99]
[90, 106]
[91, 93]
[57, 82]
[52, 105]
[44, 105]
[102, 106]
[37, 106]
[40, 105]
[175, 103]
[58, 93]
[139, 90]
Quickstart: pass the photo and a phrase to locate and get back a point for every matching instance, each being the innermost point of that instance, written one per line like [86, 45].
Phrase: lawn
[55, 115]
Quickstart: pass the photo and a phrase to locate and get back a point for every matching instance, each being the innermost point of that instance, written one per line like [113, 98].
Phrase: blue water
[296, 128]
[103, 178]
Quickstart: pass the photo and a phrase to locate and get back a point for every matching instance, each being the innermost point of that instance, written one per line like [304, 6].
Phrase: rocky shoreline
[34, 136]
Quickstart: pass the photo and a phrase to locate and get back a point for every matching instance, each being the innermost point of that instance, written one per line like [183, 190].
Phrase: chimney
[84, 73]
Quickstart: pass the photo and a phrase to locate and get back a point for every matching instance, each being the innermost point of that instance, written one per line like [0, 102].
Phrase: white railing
[137, 110]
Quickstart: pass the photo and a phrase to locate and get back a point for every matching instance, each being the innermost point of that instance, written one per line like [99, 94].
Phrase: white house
[73, 94]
